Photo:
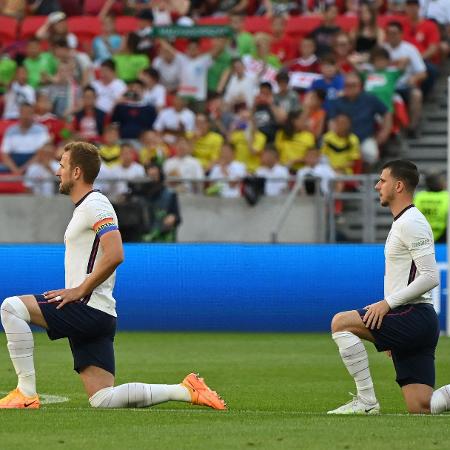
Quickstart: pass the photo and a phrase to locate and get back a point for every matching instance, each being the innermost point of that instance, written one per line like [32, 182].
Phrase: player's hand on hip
[63, 296]
[375, 313]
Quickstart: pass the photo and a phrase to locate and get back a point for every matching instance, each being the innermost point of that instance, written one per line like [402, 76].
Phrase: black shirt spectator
[325, 34]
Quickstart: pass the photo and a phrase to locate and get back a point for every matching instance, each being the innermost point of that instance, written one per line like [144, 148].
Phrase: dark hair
[289, 128]
[396, 24]
[373, 18]
[60, 42]
[151, 72]
[321, 93]
[404, 171]
[110, 64]
[328, 59]
[265, 84]
[89, 89]
[379, 52]
[347, 116]
[282, 76]
[136, 81]
[85, 156]
[132, 42]
[433, 182]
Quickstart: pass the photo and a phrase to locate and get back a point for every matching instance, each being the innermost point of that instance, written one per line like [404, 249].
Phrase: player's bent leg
[417, 398]
[102, 394]
[15, 317]
[440, 400]
[347, 331]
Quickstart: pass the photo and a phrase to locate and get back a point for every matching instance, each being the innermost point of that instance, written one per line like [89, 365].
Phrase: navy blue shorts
[411, 333]
[90, 332]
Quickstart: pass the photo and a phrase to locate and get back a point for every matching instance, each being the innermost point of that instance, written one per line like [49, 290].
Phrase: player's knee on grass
[13, 306]
[418, 407]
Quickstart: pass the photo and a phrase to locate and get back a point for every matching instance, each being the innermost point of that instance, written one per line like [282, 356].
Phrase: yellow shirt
[110, 154]
[294, 147]
[159, 153]
[341, 152]
[207, 148]
[238, 140]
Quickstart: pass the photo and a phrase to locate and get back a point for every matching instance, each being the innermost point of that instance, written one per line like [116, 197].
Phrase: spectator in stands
[175, 120]
[425, 35]
[127, 170]
[280, 8]
[169, 66]
[325, 34]
[266, 114]
[22, 140]
[19, 92]
[132, 114]
[241, 86]
[108, 87]
[154, 91]
[129, 63]
[282, 46]
[152, 148]
[41, 173]
[184, 166]
[263, 65]
[219, 69]
[162, 207]
[382, 79]
[110, 148]
[343, 52]
[40, 65]
[332, 82]
[437, 10]
[144, 32]
[308, 61]
[276, 176]
[406, 56]
[230, 6]
[13, 8]
[107, 44]
[43, 8]
[286, 98]
[364, 110]
[89, 120]
[219, 115]
[293, 141]
[206, 144]
[368, 33]
[227, 168]
[314, 113]
[56, 127]
[341, 146]
[55, 28]
[433, 203]
[246, 139]
[242, 42]
[8, 68]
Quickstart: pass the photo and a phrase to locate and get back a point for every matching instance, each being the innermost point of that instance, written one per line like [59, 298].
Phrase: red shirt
[54, 125]
[285, 48]
[310, 64]
[424, 34]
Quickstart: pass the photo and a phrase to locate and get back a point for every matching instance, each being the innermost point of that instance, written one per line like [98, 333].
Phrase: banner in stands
[223, 287]
[195, 32]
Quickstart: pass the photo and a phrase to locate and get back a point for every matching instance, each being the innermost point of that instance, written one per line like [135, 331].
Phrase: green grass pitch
[277, 386]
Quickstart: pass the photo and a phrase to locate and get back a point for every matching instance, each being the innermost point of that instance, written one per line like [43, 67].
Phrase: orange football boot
[16, 400]
[201, 394]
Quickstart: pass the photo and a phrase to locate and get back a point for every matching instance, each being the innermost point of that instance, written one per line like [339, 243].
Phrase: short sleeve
[418, 238]
[100, 217]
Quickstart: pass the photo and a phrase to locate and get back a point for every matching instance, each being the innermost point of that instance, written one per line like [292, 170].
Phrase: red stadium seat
[11, 187]
[30, 25]
[222, 20]
[8, 29]
[93, 7]
[85, 28]
[257, 24]
[126, 24]
[347, 23]
[384, 20]
[302, 25]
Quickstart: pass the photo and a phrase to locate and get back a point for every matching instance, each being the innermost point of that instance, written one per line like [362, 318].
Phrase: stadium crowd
[215, 89]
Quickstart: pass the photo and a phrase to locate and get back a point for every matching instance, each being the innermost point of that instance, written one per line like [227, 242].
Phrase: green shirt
[381, 83]
[245, 44]
[220, 63]
[434, 206]
[128, 67]
[7, 71]
[44, 63]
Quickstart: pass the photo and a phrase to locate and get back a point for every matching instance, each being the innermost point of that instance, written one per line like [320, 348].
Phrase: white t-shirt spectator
[108, 94]
[155, 96]
[25, 142]
[170, 119]
[186, 167]
[438, 10]
[276, 179]
[135, 170]
[16, 96]
[235, 171]
[415, 65]
[322, 170]
[241, 88]
[42, 181]
[104, 181]
[194, 72]
[169, 73]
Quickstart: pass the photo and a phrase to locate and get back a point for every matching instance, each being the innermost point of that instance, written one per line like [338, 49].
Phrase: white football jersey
[410, 238]
[93, 216]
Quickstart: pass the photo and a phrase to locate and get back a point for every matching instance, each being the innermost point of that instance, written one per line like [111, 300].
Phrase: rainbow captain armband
[104, 226]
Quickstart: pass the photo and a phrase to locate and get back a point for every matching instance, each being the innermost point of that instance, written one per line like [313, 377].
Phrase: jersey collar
[403, 211]
[82, 199]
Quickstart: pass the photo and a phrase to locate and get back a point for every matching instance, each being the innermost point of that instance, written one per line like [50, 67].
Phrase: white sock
[440, 400]
[354, 356]
[139, 395]
[15, 318]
